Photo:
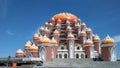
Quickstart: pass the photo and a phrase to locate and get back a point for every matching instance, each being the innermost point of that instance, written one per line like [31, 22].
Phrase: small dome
[83, 24]
[89, 42]
[57, 25]
[28, 45]
[82, 32]
[108, 40]
[69, 28]
[46, 29]
[45, 40]
[70, 35]
[53, 41]
[59, 20]
[50, 24]
[36, 36]
[96, 38]
[77, 25]
[56, 32]
[88, 30]
[52, 19]
[42, 28]
[75, 20]
[65, 16]
[19, 52]
[67, 22]
[33, 48]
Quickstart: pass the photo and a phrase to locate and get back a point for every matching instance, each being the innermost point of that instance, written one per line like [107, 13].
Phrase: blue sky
[20, 19]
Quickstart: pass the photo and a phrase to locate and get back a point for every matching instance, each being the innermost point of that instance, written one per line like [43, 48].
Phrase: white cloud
[9, 32]
[116, 38]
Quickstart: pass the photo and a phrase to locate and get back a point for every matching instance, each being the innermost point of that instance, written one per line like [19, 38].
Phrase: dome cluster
[60, 31]
[62, 17]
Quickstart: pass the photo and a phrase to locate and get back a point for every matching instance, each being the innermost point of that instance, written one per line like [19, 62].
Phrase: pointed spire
[19, 52]
[108, 40]
[70, 36]
[53, 41]
[89, 42]
[33, 47]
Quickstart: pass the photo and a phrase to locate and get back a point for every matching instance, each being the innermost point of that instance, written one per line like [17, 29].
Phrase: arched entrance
[113, 54]
[77, 56]
[65, 55]
[60, 55]
[42, 54]
[82, 56]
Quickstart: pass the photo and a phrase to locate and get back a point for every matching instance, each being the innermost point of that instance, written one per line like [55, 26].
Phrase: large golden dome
[65, 16]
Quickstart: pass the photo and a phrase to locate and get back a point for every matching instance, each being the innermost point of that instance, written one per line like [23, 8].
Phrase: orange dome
[65, 16]
[45, 40]
[36, 36]
[28, 45]
[70, 35]
[33, 48]
[69, 28]
[88, 30]
[88, 42]
[96, 38]
[56, 32]
[82, 32]
[108, 40]
[53, 41]
[19, 52]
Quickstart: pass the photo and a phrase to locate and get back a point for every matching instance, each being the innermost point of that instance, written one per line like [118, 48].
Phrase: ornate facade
[65, 36]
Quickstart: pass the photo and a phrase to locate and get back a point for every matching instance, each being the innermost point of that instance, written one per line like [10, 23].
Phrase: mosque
[66, 36]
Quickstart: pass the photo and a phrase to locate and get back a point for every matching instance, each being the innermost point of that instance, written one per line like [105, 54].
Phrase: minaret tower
[108, 49]
[89, 48]
[27, 48]
[34, 51]
[71, 42]
[96, 41]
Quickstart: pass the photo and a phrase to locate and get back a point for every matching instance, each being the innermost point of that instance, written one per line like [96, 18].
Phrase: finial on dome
[108, 40]
[33, 47]
[83, 24]
[89, 42]
[96, 38]
[70, 36]
[88, 30]
[42, 28]
[56, 32]
[53, 41]
[46, 29]
[83, 33]
[19, 52]
[69, 28]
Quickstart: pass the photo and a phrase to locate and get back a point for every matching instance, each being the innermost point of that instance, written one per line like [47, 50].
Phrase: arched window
[82, 56]
[60, 55]
[62, 47]
[78, 48]
[77, 55]
[65, 55]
